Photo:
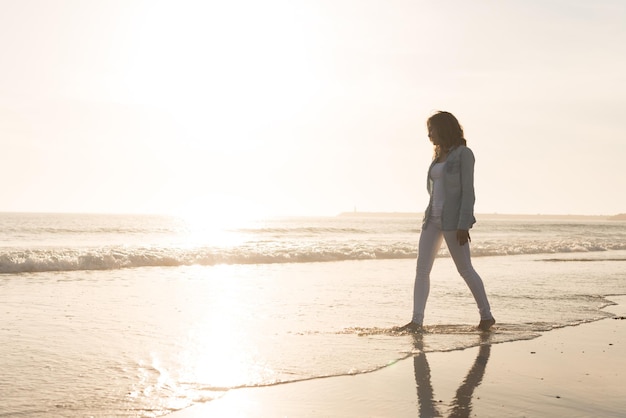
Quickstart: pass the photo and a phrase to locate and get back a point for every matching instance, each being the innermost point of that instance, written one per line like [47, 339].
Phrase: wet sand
[574, 372]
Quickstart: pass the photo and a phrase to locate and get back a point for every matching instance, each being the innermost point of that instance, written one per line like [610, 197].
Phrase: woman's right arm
[466, 212]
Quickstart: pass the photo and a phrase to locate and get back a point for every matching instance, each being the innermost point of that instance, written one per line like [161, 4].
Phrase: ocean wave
[522, 247]
[313, 230]
[263, 252]
[33, 261]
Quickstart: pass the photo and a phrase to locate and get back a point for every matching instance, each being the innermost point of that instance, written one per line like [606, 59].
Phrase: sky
[310, 107]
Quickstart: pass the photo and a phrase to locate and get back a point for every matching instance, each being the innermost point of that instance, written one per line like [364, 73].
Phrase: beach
[146, 316]
[230, 209]
[576, 371]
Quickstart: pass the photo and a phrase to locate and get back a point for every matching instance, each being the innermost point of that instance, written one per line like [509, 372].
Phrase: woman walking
[449, 216]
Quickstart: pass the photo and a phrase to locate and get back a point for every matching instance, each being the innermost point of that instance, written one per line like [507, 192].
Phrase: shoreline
[575, 371]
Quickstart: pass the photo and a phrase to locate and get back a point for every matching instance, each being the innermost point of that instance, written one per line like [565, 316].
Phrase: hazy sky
[228, 108]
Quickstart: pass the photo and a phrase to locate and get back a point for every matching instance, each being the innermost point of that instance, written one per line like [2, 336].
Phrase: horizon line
[340, 214]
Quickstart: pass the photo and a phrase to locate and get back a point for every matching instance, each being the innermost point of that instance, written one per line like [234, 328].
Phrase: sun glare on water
[217, 349]
[217, 220]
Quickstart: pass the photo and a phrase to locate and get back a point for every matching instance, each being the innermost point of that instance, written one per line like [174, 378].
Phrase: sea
[144, 315]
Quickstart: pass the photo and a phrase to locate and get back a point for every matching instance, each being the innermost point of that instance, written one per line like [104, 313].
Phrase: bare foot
[410, 327]
[485, 324]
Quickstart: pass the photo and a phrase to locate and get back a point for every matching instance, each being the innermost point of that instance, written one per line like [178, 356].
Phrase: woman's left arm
[466, 212]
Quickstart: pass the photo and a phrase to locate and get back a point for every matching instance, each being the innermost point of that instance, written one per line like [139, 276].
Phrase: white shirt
[436, 173]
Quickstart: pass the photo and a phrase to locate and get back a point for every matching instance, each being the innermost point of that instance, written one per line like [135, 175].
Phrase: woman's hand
[463, 236]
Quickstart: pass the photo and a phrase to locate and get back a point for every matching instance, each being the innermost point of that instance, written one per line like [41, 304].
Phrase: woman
[449, 216]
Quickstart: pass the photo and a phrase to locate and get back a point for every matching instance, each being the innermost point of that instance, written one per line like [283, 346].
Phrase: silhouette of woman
[449, 216]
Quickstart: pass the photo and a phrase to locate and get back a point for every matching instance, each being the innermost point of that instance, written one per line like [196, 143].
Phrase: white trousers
[430, 241]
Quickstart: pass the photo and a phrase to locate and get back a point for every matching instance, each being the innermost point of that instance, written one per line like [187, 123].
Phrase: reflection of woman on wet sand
[462, 403]
[449, 216]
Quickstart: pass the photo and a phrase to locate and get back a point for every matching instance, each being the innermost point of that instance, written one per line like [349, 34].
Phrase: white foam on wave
[266, 252]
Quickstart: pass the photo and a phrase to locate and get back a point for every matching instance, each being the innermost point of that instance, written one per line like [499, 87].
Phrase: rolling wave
[111, 259]
[265, 252]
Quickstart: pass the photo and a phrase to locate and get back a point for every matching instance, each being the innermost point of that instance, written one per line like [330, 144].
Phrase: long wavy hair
[448, 129]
